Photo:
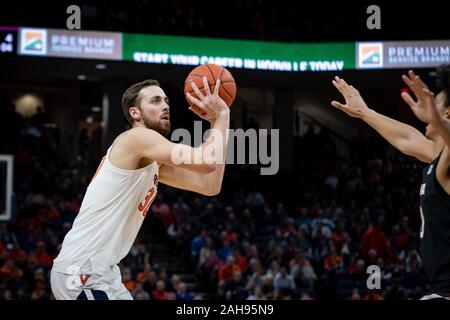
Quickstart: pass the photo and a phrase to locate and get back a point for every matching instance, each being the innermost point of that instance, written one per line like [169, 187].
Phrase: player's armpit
[149, 144]
[186, 179]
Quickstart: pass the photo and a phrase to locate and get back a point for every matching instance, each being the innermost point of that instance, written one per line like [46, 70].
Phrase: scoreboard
[8, 40]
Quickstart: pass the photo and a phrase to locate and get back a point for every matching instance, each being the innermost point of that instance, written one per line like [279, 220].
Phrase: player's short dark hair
[131, 97]
[443, 81]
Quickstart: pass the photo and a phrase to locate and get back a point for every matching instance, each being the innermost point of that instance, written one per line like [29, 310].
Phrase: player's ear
[135, 113]
[447, 112]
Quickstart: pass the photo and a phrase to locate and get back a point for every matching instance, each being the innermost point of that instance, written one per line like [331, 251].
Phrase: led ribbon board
[402, 54]
[253, 55]
[70, 44]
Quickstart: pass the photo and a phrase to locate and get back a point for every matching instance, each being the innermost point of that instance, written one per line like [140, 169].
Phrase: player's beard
[159, 126]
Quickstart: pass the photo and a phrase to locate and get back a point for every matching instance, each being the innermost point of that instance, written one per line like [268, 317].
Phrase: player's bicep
[419, 147]
[152, 145]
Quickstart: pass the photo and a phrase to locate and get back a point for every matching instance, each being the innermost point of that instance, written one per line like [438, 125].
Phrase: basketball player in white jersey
[125, 184]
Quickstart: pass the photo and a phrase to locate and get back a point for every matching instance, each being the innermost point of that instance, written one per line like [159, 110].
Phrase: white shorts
[434, 296]
[89, 287]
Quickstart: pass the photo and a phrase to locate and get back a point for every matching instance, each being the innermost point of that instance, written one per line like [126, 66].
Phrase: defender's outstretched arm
[405, 138]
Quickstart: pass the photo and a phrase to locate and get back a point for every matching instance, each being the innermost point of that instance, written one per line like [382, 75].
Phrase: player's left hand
[425, 107]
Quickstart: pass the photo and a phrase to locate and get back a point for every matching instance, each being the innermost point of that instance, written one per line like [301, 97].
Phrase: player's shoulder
[135, 134]
[138, 131]
[137, 137]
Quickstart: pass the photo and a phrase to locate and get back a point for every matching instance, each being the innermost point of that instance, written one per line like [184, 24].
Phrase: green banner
[245, 54]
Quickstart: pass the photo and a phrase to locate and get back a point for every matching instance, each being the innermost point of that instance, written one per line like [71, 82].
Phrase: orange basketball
[227, 90]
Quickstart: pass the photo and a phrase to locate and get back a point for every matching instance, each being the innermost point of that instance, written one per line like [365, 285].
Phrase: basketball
[227, 90]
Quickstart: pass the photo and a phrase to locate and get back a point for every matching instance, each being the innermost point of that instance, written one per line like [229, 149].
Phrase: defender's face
[154, 109]
[430, 131]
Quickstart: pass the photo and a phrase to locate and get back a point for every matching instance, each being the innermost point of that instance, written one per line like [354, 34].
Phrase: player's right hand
[425, 107]
[354, 105]
[210, 106]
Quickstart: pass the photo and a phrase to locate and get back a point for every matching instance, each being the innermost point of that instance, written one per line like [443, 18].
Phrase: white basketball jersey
[111, 214]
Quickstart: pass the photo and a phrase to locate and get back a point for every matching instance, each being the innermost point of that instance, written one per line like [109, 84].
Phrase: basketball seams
[201, 76]
[212, 73]
[227, 93]
[192, 76]
[220, 75]
[223, 87]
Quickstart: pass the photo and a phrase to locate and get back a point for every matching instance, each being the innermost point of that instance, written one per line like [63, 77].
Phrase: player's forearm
[215, 147]
[395, 132]
[212, 182]
[214, 179]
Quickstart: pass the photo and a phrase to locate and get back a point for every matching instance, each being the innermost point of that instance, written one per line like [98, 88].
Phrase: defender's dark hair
[443, 82]
[131, 97]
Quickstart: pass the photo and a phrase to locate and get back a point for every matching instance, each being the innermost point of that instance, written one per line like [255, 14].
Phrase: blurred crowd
[304, 21]
[307, 234]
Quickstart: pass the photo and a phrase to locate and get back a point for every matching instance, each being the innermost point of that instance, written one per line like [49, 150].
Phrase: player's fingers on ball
[197, 110]
[197, 90]
[201, 106]
[206, 86]
[217, 87]
[193, 100]
[200, 112]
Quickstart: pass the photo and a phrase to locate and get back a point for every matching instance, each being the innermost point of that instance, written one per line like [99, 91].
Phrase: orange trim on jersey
[99, 167]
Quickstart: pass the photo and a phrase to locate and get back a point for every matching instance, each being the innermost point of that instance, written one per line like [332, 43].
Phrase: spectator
[355, 294]
[226, 271]
[284, 282]
[257, 294]
[139, 293]
[160, 292]
[374, 238]
[197, 244]
[127, 279]
[174, 283]
[42, 257]
[182, 294]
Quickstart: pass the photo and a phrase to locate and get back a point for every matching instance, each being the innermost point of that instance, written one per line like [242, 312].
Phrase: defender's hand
[354, 104]
[425, 107]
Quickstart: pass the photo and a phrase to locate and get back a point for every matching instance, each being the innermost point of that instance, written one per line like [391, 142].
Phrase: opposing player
[125, 184]
[433, 149]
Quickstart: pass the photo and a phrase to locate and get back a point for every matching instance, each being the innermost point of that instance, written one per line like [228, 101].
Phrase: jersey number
[143, 207]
